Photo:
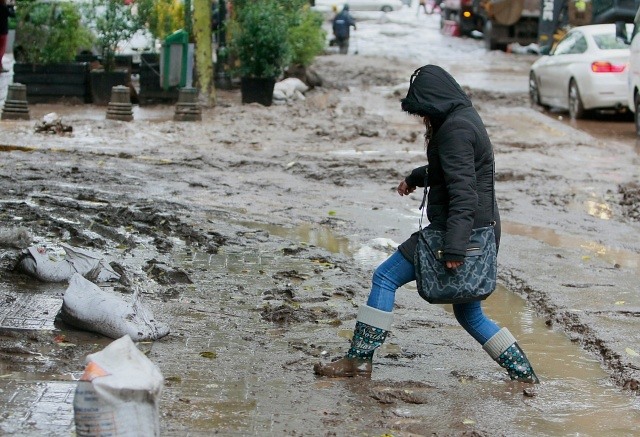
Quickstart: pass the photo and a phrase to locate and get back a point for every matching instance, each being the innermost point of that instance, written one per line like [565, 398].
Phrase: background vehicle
[508, 21]
[586, 70]
[461, 12]
[501, 21]
[357, 5]
[633, 77]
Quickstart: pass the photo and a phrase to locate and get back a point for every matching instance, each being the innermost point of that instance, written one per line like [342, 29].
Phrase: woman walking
[461, 197]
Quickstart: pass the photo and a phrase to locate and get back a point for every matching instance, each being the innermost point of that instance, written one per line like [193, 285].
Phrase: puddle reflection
[613, 256]
[576, 394]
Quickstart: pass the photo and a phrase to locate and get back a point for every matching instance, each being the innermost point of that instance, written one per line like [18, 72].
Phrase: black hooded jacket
[460, 156]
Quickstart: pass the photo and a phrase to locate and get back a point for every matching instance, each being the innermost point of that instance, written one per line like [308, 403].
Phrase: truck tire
[490, 42]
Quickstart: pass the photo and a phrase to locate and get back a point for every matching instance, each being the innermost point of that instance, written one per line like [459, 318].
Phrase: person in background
[342, 24]
[461, 197]
[6, 11]
[422, 4]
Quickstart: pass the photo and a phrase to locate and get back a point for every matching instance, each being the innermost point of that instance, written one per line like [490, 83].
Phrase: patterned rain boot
[372, 326]
[502, 347]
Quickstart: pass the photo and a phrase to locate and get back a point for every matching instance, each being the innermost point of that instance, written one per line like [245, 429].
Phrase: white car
[633, 90]
[586, 70]
[357, 5]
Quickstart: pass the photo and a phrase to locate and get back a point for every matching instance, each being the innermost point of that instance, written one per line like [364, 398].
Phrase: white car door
[554, 75]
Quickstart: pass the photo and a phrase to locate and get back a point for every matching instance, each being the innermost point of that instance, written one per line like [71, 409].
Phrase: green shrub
[113, 22]
[307, 38]
[48, 33]
[259, 39]
[161, 17]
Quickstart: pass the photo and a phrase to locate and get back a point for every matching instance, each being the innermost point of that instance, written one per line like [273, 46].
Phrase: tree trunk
[203, 49]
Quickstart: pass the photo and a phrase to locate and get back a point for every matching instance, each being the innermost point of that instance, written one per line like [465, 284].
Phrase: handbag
[474, 280]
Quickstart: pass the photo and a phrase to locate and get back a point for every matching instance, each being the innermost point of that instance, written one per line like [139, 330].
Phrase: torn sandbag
[289, 89]
[19, 238]
[118, 394]
[87, 306]
[37, 263]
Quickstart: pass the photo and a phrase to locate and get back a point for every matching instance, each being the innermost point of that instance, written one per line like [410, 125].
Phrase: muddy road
[255, 233]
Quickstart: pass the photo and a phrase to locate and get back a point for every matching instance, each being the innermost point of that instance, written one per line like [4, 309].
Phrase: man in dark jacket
[461, 197]
[342, 23]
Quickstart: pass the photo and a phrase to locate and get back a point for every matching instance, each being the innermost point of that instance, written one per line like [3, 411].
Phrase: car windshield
[608, 41]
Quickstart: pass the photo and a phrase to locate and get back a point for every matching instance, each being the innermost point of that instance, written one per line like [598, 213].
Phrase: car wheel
[576, 109]
[636, 115]
[534, 92]
[386, 8]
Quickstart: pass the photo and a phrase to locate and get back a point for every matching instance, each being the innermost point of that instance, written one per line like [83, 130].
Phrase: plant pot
[257, 90]
[102, 82]
[51, 83]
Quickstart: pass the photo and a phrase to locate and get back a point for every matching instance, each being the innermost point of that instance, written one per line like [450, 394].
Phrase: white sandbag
[87, 306]
[118, 394]
[286, 89]
[37, 263]
[19, 238]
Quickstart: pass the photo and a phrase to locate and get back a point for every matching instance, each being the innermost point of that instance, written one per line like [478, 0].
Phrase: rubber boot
[372, 327]
[502, 347]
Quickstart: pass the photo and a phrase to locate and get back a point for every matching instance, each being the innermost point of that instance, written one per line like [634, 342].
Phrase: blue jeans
[397, 271]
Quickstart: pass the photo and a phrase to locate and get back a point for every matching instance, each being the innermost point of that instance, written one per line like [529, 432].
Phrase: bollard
[120, 107]
[15, 106]
[187, 108]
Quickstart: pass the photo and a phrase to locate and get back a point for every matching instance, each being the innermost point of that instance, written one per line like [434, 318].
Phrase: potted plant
[260, 46]
[48, 37]
[113, 23]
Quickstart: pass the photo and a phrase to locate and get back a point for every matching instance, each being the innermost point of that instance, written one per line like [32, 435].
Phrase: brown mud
[237, 227]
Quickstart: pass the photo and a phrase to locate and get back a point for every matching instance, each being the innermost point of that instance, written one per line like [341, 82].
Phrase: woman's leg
[387, 278]
[473, 320]
[498, 343]
[373, 321]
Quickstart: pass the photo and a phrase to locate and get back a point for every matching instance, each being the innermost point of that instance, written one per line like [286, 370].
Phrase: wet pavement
[281, 293]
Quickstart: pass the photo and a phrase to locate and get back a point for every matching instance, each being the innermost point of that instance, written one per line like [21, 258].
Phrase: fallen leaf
[632, 352]
[207, 354]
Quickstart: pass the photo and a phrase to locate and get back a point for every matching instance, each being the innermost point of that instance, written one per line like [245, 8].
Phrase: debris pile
[52, 124]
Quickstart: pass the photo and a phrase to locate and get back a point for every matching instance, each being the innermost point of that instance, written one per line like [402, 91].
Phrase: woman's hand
[453, 264]
[405, 189]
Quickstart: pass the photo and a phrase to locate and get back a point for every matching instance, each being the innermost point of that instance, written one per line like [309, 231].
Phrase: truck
[500, 22]
[509, 21]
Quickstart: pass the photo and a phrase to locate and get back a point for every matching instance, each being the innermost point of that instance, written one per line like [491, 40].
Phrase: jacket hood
[434, 93]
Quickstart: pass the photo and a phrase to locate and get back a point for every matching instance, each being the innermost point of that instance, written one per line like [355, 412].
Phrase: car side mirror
[621, 32]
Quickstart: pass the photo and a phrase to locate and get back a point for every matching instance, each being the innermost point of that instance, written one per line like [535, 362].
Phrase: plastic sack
[289, 89]
[118, 394]
[87, 306]
[37, 263]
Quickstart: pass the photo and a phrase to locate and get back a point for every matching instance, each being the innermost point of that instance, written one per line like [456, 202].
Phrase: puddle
[611, 255]
[576, 395]
[316, 235]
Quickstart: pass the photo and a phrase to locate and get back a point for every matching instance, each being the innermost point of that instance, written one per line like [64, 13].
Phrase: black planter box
[257, 90]
[103, 81]
[52, 83]
[150, 90]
